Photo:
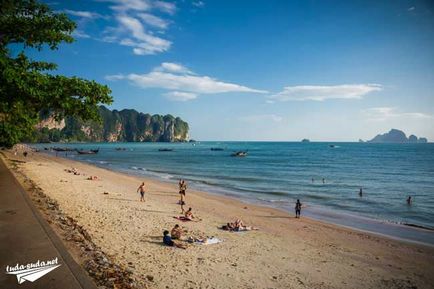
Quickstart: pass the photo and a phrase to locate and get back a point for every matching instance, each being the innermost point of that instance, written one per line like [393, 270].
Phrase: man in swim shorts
[141, 190]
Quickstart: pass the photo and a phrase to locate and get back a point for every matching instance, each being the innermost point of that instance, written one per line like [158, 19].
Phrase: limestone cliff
[126, 125]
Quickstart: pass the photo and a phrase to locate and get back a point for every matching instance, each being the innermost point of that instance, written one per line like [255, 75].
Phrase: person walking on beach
[297, 209]
[180, 184]
[182, 189]
[141, 190]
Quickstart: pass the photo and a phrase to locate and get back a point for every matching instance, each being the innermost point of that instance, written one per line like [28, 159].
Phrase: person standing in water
[141, 190]
[297, 209]
[361, 192]
[409, 200]
[323, 180]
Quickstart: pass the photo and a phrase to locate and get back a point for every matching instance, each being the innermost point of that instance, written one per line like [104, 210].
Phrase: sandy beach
[284, 253]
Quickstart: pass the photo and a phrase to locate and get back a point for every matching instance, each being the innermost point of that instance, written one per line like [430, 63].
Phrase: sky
[261, 70]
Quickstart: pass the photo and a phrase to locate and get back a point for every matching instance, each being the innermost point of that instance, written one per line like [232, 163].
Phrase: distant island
[305, 140]
[397, 136]
[127, 125]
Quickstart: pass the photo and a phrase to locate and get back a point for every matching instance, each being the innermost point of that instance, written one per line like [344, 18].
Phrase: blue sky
[261, 70]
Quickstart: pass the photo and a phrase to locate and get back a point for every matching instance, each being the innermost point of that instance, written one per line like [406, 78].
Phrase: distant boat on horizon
[89, 152]
[165, 150]
[217, 149]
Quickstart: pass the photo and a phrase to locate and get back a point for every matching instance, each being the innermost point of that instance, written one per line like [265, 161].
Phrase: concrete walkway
[25, 237]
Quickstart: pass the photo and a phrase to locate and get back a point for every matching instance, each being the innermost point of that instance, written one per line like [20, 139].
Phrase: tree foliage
[27, 86]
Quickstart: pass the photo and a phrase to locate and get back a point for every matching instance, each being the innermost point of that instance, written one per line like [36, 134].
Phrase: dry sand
[285, 252]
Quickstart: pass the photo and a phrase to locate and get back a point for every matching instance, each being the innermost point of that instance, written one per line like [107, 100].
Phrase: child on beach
[141, 189]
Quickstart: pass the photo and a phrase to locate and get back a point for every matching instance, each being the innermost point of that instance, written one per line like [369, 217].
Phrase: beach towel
[209, 241]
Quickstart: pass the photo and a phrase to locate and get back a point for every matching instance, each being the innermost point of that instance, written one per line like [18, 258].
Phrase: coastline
[406, 232]
[286, 248]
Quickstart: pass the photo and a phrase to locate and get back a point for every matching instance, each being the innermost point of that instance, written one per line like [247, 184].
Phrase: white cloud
[198, 3]
[179, 79]
[186, 82]
[165, 6]
[143, 43]
[180, 96]
[154, 20]
[135, 22]
[80, 34]
[114, 77]
[386, 113]
[141, 5]
[83, 14]
[323, 92]
[261, 118]
[173, 67]
[125, 5]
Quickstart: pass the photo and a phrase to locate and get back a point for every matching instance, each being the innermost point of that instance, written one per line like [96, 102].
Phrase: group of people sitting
[73, 171]
[77, 173]
[172, 238]
[175, 234]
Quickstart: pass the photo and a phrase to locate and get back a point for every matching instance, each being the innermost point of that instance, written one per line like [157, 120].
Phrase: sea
[325, 176]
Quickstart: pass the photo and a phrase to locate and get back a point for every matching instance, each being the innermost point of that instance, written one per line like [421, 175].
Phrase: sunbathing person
[247, 228]
[73, 171]
[176, 232]
[238, 223]
[228, 227]
[238, 226]
[92, 178]
[167, 240]
[189, 214]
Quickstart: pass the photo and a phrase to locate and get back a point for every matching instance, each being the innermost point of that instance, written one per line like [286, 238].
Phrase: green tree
[27, 86]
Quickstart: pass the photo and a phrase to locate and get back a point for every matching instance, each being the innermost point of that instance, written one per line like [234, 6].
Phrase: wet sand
[285, 252]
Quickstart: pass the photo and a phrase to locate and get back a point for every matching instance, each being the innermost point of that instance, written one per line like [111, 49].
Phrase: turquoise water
[278, 173]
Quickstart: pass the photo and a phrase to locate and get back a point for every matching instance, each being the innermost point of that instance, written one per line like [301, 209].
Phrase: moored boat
[165, 150]
[90, 152]
[217, 149]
